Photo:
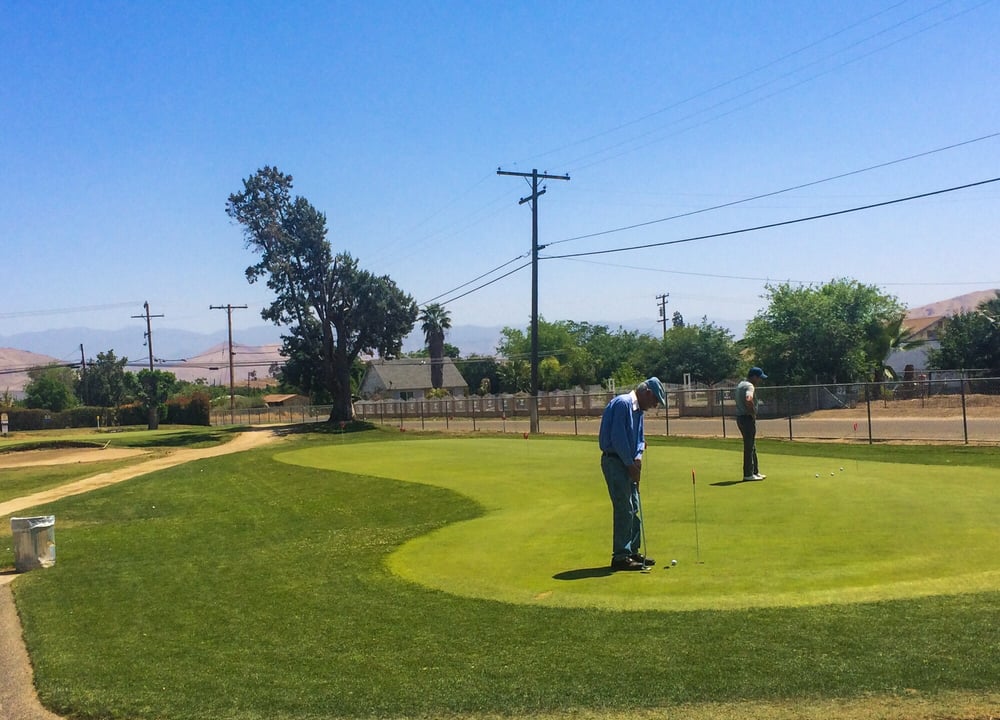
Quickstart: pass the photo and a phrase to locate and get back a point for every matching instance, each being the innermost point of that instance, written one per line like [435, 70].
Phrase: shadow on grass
[584, 573]
[727, 483]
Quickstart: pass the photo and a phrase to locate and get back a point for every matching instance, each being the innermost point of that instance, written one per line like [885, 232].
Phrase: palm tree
[885, 339]
[434, 321]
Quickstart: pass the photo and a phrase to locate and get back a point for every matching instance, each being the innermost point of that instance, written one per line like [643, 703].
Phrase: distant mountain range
[188, 355]
[191, 355]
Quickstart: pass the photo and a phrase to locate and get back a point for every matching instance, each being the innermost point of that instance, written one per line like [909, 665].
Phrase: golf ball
[673, 562]
[831, 474]
[817, 474]
[841, 469]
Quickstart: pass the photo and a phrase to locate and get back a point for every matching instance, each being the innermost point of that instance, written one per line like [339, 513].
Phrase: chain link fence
[958, 407]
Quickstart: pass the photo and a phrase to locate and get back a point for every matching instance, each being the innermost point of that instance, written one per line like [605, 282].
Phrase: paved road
[980, 430]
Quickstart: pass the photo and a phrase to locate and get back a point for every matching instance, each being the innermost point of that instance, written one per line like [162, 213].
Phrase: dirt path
[17, 689]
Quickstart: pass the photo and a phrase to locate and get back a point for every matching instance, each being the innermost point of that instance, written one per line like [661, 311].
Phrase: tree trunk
[338, 374]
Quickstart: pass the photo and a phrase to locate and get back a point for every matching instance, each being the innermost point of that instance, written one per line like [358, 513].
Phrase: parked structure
[409, 379]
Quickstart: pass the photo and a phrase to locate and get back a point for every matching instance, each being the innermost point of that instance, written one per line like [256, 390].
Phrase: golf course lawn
[817, 531]
[395, 575]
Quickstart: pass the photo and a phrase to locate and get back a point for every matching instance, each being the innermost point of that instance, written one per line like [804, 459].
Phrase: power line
[758, 100]
[475, 279]
[776, 224]
[63, 311]
[487, 284]
[718, 276]
[723, 84]
[784, 190]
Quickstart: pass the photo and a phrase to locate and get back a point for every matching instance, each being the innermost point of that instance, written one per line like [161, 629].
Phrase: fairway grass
[815, 532]
[351, 577]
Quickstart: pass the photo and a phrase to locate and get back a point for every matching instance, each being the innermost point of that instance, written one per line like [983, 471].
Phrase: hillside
[952, 306]
[14, 366]
[250, 362]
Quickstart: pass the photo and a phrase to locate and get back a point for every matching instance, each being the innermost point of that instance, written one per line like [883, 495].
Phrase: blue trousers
[627, 530]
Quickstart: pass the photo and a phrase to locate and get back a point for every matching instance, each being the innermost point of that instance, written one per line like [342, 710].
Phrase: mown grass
[244, 587]
[131, 437]
[22, 481]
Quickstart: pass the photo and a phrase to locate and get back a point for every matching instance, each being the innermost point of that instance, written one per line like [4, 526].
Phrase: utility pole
[154, 421]
[232, 394]
[83, 376]
[663, 311]
[533, 199]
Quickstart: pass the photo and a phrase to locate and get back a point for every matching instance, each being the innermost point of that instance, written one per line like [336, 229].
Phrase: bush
[193, 409]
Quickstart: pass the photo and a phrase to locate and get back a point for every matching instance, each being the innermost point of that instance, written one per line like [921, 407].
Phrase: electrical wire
[782, 223]
[779, 192]
[476, 279]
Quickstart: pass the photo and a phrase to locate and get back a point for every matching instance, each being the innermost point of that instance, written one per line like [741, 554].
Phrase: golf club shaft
[642, 525]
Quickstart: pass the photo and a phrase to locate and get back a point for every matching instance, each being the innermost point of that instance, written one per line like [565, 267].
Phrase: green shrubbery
[190, 409]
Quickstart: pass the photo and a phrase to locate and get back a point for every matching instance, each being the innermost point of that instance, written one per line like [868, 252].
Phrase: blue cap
[758, 372]
[656, 386]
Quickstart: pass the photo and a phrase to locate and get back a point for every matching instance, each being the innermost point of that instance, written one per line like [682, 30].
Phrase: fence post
[722, 406]
[666, 414]
[868, 403]
[472, 408]
[576, 430]
[965, 422]
[789, 406]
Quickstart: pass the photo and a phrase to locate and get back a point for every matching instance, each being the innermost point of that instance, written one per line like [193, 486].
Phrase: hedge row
[190, 410]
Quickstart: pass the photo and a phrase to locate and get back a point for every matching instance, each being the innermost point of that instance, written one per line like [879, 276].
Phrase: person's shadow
[584, 573]
[727, 483]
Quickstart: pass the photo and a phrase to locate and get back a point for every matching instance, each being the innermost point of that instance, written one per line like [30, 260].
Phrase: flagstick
[697, 542]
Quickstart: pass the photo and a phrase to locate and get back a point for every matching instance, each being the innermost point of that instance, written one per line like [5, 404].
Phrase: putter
[642, 528]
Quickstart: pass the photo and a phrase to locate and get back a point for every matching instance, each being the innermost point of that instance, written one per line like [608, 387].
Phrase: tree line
[335, 313]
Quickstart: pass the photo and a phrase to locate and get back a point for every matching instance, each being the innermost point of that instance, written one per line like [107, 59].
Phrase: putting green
[859, 532]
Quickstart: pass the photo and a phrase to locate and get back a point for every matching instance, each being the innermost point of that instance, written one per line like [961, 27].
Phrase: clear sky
[124, 127]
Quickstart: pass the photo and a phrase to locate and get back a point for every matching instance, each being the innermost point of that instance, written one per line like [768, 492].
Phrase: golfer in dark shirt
[746, 421]
[622, 445]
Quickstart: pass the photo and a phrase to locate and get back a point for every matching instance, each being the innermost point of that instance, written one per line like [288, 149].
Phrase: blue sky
[124, 127]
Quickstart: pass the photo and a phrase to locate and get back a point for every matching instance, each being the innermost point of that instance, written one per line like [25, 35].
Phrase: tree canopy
[325, 298]
[970, 340]
[829, 333]
[51, 388]
[706, 351]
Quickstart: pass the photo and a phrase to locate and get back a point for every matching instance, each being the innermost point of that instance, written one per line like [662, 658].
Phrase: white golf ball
[817, 474]
[673, 562]
[841, 469]
[831, 474]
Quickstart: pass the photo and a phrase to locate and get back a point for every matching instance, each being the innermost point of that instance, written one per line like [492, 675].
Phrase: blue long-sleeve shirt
[621, 428]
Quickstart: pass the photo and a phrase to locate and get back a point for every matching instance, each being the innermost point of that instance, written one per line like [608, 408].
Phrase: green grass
[428, 578]
[22, 481]
[172, 436]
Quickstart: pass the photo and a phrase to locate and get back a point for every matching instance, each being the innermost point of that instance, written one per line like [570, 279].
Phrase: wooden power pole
[232, 382]
[154, 420]
[535, 247]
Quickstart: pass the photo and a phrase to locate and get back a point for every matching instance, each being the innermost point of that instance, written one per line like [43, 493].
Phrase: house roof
[915, 326]
[411, 374]
[280, 398]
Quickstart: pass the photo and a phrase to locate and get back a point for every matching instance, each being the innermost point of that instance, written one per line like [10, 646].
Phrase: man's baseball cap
[756, 371]
[656, 386]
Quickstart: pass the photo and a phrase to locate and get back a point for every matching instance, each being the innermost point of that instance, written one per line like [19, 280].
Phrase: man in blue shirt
[622, 445]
